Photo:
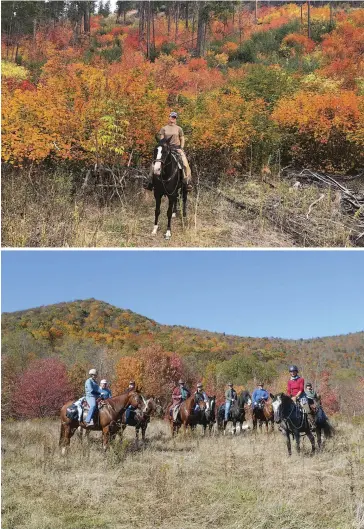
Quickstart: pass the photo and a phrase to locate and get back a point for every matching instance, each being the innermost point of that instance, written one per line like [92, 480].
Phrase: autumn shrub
[321, 129]
[42, 389]
[320, 28]
[268, 83]
[112, 54]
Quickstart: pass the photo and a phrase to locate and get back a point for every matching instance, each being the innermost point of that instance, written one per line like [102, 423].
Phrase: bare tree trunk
[86, 17]
[256, 11]
[331, 14]
[186, 15]
[168, 20]
[176, 21]
[309, 19]
[148, 30]
[201, 28]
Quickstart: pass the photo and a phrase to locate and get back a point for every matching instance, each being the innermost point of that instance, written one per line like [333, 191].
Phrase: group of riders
[302, 395]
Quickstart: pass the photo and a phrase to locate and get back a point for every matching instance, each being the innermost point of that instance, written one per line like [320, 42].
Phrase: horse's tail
[328, 429]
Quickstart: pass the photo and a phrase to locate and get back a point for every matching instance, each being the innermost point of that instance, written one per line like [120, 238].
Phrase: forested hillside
[69, 338]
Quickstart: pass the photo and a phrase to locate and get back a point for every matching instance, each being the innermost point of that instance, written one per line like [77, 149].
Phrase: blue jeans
[227, 409]
[91, 401]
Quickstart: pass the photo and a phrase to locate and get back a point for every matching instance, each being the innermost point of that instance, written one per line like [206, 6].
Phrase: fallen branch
[313, 203]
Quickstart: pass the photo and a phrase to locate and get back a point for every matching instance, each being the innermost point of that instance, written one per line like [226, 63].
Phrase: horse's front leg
[234, 427]
[312, 441]
[137, 428]
[298, 440]
[184, 199]
[289, 446]
[158, 199]
[319, 438]
[171, 203]
[105, 437]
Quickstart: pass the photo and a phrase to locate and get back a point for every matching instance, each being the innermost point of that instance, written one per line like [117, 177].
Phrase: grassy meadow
[46, 212]
[246, 481]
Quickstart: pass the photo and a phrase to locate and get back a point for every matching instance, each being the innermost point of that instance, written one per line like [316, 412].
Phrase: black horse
[167, 181]
[292, 421]
[322, 424]
[236, 413]
[207, 415]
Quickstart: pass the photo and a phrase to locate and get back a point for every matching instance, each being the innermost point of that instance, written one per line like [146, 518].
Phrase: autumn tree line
[47, 352]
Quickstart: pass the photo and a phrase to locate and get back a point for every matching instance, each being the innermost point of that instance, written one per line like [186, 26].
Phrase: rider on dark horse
[174, 134]
[296, 390]
[259, 394]
[200, 395]
[230, 397]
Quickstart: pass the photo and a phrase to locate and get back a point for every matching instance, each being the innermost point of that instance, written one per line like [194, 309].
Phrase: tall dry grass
[44, 210]
[245, 482]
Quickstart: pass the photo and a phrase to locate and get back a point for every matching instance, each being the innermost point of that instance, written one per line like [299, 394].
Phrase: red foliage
[329, 398]
[42, 389]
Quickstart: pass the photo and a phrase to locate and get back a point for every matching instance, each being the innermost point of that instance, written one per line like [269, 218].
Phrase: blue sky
[288, 294]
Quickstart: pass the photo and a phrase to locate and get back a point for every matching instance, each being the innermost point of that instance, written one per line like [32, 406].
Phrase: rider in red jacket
[296, 384]
[296, 390]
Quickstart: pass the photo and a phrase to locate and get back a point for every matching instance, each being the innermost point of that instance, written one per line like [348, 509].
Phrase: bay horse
[108, 420]
[167, 181]
[263, 413]
[236, 413]
[292, 421]
[141, 421]
[186, 415]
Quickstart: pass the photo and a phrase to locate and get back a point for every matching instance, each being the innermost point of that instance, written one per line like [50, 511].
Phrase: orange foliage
[127, 368]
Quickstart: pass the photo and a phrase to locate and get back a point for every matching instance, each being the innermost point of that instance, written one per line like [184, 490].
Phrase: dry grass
[41, 210]
[245, 482]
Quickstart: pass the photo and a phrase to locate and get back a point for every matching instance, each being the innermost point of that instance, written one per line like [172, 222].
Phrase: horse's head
[245, 398]
[137, 401]
[277, 405]
[161, 152]
[210, 409]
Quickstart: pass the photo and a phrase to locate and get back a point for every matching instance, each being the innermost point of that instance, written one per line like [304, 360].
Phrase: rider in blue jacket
[105, 390]
[258, 394]
[93, 392]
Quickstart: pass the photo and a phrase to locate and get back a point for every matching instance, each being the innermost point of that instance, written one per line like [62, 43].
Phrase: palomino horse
[141, 421]
[108, 421]
[236, 414]
[292, 421]
[187, 416]
[263, 412]
[167, 180]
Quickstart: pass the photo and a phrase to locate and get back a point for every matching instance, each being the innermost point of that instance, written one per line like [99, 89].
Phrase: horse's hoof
[174, 215]
[155, 229]
[168, 235]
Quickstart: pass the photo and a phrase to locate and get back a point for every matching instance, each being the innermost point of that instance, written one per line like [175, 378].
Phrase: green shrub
[112, 54]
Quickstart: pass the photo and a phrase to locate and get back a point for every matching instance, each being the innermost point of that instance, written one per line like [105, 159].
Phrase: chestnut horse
[263, 413]
[109, 420]
[141, 421]
[186, 415]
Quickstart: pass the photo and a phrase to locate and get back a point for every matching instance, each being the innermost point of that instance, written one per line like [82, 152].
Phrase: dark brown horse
[141, 421]
[263, 412]
[186, 415]
[108, 421]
